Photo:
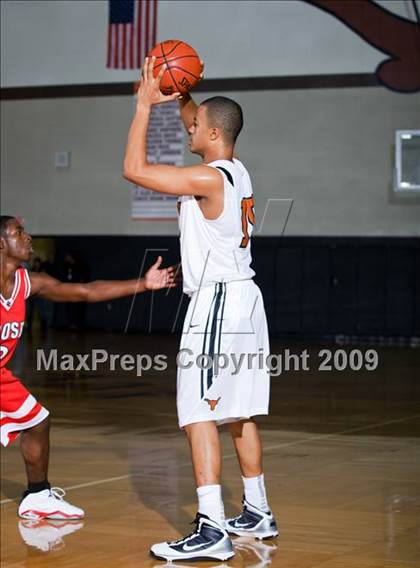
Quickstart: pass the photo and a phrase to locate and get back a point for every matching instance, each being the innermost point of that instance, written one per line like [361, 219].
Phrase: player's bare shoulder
[208, 181]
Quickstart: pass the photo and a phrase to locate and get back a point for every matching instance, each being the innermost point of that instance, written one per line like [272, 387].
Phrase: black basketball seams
[171, 50]
[173, 59]
[176, 67]
[168, 69]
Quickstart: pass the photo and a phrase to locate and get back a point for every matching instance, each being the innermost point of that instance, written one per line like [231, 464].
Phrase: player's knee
[45, 424]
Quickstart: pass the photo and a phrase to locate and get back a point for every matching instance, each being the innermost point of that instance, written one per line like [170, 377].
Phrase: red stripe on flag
[139, 22]
[120, 48]
[132, 46]
[146, 30]
[154, 22]
[116, 46]
[124, 45]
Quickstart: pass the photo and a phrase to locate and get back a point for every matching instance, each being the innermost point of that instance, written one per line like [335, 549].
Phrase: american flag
[131, 32]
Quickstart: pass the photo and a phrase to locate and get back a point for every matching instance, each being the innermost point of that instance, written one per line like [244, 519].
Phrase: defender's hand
[157, 278]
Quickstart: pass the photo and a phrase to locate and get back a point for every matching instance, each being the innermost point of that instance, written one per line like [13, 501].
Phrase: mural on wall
[397, 37]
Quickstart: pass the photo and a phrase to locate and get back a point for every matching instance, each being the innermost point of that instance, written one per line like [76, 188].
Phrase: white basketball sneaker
[253, 521]
[209, 540]
[49, 504]
[47, 535]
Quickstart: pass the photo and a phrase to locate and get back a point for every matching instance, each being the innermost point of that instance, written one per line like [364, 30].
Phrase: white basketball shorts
[222, 371]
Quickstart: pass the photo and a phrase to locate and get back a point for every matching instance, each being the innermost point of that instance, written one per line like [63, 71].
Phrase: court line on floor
[348, 431]
[232, 455]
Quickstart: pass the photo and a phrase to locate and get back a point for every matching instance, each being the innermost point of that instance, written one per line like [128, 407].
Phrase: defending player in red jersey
[20, 411]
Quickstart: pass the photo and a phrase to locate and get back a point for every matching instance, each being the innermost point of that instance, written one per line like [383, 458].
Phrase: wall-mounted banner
[165, 145]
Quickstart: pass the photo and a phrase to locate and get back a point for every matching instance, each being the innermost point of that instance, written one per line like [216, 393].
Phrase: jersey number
[3, 351]
[247, 208]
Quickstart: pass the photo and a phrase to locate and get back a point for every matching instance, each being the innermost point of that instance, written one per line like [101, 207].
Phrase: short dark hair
[225, 114]
[4, 219]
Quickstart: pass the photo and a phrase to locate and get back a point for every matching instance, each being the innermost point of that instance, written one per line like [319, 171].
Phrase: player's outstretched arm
[101, 290]
[195, 180]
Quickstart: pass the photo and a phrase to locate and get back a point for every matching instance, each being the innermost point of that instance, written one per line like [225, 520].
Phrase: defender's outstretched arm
[101, 290]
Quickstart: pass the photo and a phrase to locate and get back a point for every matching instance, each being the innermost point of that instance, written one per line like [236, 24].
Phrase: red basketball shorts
[19, 410]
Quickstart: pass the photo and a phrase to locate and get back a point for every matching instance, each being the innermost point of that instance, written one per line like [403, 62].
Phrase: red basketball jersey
[12, 315]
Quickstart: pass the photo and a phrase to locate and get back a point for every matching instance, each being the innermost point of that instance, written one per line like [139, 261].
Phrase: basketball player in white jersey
[225, 316]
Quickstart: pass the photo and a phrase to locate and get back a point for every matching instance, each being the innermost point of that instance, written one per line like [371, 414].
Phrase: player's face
[16, 241]
[199, 132]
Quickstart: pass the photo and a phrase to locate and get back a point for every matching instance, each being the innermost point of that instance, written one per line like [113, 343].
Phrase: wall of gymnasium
[341, 267]
[57, 43]
[330, 150]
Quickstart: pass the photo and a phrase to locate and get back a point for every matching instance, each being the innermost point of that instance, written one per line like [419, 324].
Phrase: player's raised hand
[149, 92]
[157, 278]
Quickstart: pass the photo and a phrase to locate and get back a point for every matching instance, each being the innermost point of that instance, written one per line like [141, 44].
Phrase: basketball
[183, 66]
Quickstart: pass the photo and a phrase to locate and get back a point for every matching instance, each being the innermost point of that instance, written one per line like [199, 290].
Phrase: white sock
[210, 503]
[255, 494]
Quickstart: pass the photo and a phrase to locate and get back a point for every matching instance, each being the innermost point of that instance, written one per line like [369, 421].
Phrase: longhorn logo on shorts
[212, 403]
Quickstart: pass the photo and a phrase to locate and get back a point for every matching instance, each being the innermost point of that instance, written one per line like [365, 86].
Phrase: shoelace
[192, 535]
[57, 493]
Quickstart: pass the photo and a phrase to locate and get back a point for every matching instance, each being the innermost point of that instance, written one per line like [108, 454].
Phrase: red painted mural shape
[395, 36]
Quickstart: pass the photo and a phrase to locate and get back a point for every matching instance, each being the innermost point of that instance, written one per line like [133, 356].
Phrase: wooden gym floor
[342, 456]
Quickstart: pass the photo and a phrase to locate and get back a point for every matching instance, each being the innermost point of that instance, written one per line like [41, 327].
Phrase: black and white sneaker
[253, 521]
[209, 540]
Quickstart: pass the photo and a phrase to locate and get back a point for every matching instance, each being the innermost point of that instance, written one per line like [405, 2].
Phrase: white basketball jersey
[218, 250]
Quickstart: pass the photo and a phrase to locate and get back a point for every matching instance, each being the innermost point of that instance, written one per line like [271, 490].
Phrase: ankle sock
[254, 489]
[38, 486]
[210, 503]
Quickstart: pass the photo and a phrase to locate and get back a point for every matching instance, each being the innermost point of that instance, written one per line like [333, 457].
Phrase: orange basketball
[183, 66]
